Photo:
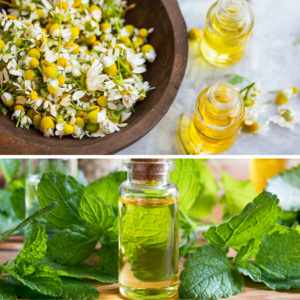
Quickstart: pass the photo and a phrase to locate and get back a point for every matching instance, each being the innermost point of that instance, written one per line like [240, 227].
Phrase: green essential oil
[148, 247]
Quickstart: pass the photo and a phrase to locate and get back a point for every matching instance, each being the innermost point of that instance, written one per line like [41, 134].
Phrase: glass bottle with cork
[226, 34]
[148, 230]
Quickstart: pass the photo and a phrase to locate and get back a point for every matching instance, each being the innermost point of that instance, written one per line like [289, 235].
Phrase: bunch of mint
[266, 252]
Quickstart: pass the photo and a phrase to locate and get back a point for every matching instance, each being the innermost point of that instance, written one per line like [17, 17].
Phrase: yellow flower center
[40, 13]
[47, 123]
[11, 17]
[34, 53]
[62, 62]
[71, 45]
[93, 116]
[2, 45]
[111, 70]
[80, 122]
[287, 116]
[194, 34]
[19, 107]
[34, 63]
[68, 129]
[74, 32]
[104, 26]
[61, 80]
[130, 29]
[102, 101]
[143, 33]
[91, 39]
[250, 128]
[30, 75]
[34, 95]
[37, 120]
[51, 89]
[49, 72]
[281, 99]
[147, 48]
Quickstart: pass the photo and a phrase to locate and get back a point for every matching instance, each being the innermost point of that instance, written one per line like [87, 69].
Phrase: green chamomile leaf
[7, 292]
[108, 258]
[246, 252]
[73, 246]
[108, 188]
[97, 212]
[71, 289]
[250, 270]
[207, 199]
[10, 168]
[187, 178]
[44, 280]
[40, 213]
[279, 255]
[255, 220]
[67, 192]
[79, 271]
[18, 202]
[286, 186]
[208, 274]
[35, 244]
[238, 194]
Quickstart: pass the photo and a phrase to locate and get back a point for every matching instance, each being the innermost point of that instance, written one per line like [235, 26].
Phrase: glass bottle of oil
[228, 27]
[148, 230]
[263, 169]
[217, 118]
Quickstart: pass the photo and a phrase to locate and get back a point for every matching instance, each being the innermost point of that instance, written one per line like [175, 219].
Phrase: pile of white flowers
[71, 67]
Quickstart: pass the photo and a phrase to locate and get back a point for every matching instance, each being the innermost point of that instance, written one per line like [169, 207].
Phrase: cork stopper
[148, 169]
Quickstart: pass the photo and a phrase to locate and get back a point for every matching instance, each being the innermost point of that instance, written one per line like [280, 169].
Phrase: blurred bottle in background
[263, 169]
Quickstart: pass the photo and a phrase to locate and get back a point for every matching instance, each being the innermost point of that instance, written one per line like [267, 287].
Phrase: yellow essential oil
[263, 169]
[217, 118]
[148, 231]
[226, 33]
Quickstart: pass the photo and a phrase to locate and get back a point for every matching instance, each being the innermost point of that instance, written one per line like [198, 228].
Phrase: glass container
[148, 230]
[226, 34]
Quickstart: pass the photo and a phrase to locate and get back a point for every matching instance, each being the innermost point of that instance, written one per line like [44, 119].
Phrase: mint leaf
[207, 199]
[35, 244]
[250, 270]
[73, 245]
[246, 252]
[208, 274]
[276, 283]
[108, 258]
[286, 186]
[71, 289]
[10, 168]
[108, 188]
[40, 213]
[79, 271]
[43, 280]
[67, 192]
[17, 183]
[187, 178]
[236, 79]
[279, 255]
[7, 292]
[256, 220]
[238, 194]
[5, 204]
[18, 202]
[97, 212]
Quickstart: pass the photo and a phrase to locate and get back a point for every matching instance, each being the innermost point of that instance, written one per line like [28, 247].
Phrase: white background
[271, 60]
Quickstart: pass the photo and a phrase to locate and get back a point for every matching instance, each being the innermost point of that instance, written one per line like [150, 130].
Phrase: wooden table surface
[10, 248]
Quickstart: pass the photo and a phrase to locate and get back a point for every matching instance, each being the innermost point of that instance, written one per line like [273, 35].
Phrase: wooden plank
[253, 291]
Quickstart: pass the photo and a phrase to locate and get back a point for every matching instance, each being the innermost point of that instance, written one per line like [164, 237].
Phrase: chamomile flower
[286, 117]
[129, 97]
[260, 128]
[93, 77]
[136, 62]
[8, 20]
[108, 127]
[285, 95]
[25, 121]
[149, 53]
[253, 112]
[19, 111]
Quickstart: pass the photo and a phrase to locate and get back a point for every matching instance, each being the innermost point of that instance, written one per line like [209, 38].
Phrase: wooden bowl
[166, 74]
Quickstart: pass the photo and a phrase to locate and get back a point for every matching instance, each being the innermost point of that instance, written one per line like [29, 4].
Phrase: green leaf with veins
[67, 192]
[208, 274]
[108, 258]
[238, 194]
[250, 270]
[43, 280]
[35, 244]
[286, 186]
[18, 202]
[79, 271]
[7, 292]
[276, 283]
[39, 214]
[97, 212]
[73, 245]
[279, 255]
[10, 168]
[71, 289]
[207, 199]
[108, 188]
[187, 178]
[246, 252]
[256, 220]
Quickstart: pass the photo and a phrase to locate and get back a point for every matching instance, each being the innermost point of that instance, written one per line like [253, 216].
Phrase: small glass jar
[148, 230]
[226, 34]
[217, 118]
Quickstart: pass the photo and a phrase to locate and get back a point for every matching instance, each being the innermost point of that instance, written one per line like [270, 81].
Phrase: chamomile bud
[36, 121]
[194, 34]
[91, 127]
[80, 122]
[34, 53]
[90, 25]
[102, 101]
[149, 52]
[110, 68]
[49, 72]
[19, 43]
[34, 63]
[143, 33]
[61, 80]
[2, 45]
[47, 123]
[33, 95]
[93, 117]
[30, 75]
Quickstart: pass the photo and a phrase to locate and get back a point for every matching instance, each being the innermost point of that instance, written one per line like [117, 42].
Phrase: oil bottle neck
[162, 181]
[222, 100]
[231, 13]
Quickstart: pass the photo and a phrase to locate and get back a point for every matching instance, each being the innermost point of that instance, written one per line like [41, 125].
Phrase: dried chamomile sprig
[71, 67]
